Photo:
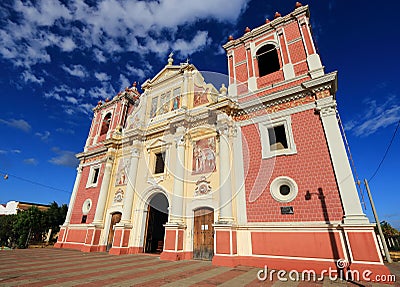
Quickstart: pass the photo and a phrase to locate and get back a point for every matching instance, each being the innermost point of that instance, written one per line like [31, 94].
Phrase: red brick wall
[297, 52]
[292, 31]
[270, 79]
[241, 73]
[311, 168]
[85, 193]
[240, 54]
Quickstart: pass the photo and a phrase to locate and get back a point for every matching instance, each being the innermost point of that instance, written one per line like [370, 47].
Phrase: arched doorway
[203, 234]
[115, 218]
[157, 216]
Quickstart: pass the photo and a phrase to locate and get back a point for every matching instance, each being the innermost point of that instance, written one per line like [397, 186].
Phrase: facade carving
[242, 174]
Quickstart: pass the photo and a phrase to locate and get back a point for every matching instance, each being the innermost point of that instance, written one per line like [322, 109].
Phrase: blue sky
[59, 58]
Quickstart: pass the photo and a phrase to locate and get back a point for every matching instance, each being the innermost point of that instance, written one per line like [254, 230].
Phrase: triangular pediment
[157, 143]
[166, 73]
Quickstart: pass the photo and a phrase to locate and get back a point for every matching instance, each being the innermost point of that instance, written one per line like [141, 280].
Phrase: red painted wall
[298, 244]
[85, 193]
[310, 168]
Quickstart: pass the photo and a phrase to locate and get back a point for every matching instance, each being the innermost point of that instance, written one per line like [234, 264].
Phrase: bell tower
[279, 53]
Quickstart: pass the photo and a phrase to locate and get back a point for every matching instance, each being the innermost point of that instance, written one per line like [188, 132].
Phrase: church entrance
[157, 216]
[203, 234]
[116, 217]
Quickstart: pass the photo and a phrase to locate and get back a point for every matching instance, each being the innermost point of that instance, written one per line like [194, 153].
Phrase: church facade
[255, 173]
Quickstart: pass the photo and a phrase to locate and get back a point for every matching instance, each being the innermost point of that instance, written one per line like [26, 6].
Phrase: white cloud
[64, 158]
[124, 82]
[71, 100]
[29, 77]
[377, 116]
[99, 56]
[31, 161]
[16, 151]
[106, 27]
[102, 76]
[105, 91]
[53, 95]
[197, 43]
[75, 70]
[43, 136]
[67, 44]
[18, 124]
[86, 108]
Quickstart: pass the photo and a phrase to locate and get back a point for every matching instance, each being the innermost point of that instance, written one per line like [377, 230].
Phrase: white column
[130, 189]
[73, 195]
[179, 180]
[101, 202]
[225, 182]
[353, 213]
[185, 91]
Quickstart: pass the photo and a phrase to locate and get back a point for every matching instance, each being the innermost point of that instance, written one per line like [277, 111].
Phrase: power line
[34, 182]
[387, 150]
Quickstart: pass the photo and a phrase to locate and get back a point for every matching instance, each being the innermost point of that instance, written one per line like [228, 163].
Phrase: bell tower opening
[157, 216]
[268, 60]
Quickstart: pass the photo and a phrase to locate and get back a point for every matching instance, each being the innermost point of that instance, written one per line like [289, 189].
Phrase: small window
[84, 218]
[94, 175]
[283, 189]
[159, 163]
[105, 125]
[268, 60]
[96, 172]
[87, 205]
[277, 138]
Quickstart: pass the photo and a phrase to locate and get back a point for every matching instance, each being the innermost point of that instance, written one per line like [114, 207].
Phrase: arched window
[268, 60]
[105, 125]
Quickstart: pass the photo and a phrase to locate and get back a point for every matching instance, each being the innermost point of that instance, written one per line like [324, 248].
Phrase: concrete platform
[62, 267]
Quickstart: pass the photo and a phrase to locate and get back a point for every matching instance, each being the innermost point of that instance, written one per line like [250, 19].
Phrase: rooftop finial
[298, 4]
[230, 38]
[170, 59]
[277, 15]
[247, 30]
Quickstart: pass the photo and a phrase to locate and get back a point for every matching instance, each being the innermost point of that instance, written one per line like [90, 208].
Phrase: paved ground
[62, 267]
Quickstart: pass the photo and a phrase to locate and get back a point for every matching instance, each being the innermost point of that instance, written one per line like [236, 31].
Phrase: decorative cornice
[308, 88]
[268, 27]
[91, 153]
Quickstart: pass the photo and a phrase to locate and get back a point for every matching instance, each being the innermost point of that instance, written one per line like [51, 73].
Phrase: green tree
[7, 236]
[29, 225]
[388, 230]
[54, 217]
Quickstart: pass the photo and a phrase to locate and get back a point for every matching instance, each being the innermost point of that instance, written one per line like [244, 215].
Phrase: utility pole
[378, 223]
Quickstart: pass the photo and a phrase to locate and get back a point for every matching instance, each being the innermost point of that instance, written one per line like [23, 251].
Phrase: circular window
[87, 205]
[283, 189]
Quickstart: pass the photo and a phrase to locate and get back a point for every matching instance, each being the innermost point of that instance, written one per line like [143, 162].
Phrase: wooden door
[203, 234]
[116, 217]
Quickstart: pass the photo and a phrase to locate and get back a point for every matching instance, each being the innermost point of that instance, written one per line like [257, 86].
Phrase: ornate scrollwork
[202, 187]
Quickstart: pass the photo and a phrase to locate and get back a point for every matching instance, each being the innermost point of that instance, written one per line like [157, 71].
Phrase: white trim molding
[265, 142]
[275, 189]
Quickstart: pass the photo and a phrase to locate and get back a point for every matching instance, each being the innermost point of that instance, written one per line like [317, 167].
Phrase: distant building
[13, 207]
[253, 174]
